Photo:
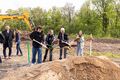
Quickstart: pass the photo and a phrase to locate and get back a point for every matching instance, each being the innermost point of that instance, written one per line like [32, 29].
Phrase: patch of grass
[73, 36]
[107, 54]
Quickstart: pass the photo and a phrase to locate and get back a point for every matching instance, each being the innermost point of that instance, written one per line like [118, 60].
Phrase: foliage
[99, 17]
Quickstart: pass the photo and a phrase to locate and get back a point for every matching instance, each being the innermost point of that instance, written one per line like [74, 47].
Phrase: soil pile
[73, 68]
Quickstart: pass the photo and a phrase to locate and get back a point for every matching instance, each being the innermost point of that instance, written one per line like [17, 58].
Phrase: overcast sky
[45, 4]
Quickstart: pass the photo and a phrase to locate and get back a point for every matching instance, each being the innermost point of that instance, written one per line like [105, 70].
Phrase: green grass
[107, 54]
[73, 36]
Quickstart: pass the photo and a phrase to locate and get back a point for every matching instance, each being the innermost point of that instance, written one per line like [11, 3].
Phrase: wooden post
[91, 39]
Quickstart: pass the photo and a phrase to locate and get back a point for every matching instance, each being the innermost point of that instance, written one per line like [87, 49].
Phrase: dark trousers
[18, 49]
[50, 54]
[4, 51]
[0, 60]
[61, 52]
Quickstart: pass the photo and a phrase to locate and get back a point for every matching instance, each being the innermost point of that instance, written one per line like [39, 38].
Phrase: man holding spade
[63, 40]
[37, 37]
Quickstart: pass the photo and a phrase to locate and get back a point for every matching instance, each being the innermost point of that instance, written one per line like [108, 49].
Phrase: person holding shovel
[37, 36]
[80, 43]
[63, 40]
[49, 43]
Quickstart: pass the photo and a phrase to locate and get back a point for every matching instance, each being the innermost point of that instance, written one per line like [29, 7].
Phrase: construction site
[72, 68]
[93, 26]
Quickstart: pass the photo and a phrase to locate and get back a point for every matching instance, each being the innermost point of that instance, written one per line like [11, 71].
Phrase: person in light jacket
[80, 44]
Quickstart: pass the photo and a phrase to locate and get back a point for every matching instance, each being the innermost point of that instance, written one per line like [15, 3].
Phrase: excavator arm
[24, 17]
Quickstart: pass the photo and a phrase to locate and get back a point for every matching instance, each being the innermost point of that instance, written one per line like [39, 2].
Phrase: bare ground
[17, 62]
[72, 68]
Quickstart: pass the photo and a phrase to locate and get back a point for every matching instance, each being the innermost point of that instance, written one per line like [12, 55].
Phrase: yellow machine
[24, 16]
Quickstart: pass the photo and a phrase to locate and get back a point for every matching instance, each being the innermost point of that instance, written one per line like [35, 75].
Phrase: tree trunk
[105, 23]
[105, 20]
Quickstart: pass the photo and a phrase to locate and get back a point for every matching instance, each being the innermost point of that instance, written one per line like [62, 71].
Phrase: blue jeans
[18, 48]
[79, 50]
[61, 52]
[34, 52]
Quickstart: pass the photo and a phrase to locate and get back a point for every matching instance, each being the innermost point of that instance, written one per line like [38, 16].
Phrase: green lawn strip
[107, 54]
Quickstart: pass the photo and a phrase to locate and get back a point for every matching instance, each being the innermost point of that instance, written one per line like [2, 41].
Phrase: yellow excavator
[25, 16]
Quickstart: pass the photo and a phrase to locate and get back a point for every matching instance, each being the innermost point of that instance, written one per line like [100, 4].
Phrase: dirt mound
[73, 68]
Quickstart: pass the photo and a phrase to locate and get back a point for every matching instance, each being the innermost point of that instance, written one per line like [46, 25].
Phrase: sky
[45, 4]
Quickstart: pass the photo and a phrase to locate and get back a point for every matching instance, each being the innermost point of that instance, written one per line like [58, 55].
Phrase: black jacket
[0, 60]
[64, 38]
[1, 38]
[8, 38]
[37, 36]
[49, 40]
[17, 37]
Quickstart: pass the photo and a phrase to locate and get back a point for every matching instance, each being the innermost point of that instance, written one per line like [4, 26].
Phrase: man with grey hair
[63, 38]
[8, 40]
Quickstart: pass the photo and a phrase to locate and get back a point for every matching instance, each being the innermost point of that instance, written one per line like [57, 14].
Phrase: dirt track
[105, 45]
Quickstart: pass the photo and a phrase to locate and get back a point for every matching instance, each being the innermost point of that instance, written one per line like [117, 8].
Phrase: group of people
[38, 40]
[6, 37]
[37, 37]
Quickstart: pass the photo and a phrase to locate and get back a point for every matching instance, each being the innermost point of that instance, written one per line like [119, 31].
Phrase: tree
[68, 14]
[115, 20]
[102, 7]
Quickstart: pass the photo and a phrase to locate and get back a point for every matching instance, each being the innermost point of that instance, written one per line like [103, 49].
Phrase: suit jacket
[8, 38]
[61, 38]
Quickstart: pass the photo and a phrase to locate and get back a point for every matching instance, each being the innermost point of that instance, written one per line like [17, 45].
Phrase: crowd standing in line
[38, 40]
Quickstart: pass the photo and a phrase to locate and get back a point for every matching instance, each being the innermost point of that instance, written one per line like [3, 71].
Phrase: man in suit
[8, 40]
[63, 38]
